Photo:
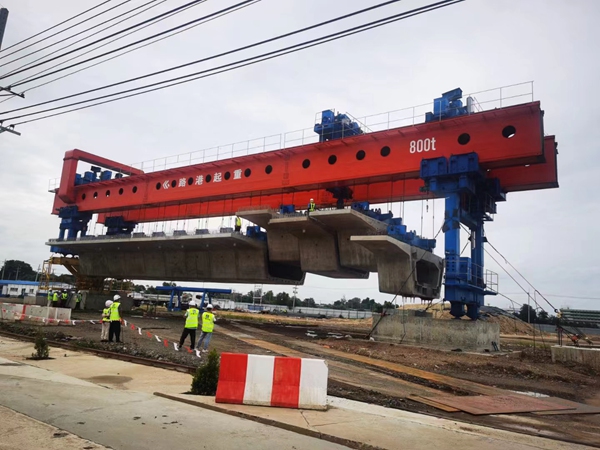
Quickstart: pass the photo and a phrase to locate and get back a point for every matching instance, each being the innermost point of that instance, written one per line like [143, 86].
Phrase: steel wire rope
[237, 64]
[521, 275]
[66, 29]
[108, 43]
[301, 30]
[86, 37]
[139, 24]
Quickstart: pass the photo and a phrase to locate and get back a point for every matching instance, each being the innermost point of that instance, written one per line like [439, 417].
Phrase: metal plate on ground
[498, 404]
[580, 408]
[430, 402]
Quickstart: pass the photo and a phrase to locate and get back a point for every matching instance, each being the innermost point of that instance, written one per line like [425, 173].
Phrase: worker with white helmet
[191, 325]
[208, 324]
[105, 321]
[114, 329]
[312, 207]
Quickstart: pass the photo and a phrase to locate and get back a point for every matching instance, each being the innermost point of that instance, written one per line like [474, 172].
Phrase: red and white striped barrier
[272, 381]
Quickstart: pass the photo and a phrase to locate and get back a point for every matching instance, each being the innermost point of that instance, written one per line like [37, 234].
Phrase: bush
[207, 375]
[42, 351]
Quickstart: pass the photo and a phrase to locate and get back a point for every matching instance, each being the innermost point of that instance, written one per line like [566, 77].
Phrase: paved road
[128, 420]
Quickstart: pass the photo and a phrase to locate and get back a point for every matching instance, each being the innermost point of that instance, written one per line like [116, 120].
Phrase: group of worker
[192, 316]
[111, 320]
[61, 298]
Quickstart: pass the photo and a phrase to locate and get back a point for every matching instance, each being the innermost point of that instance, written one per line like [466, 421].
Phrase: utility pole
[3, 21]
[295, 291]
[528, 309]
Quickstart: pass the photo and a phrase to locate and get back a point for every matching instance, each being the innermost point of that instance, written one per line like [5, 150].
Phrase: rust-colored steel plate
[499, 404]
[579, 408]
[430, 402]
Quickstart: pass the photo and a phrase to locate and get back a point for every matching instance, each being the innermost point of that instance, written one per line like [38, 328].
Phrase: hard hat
[312, 199]
[209, 306]
[116, 297]
[107, 303]
[192, 303]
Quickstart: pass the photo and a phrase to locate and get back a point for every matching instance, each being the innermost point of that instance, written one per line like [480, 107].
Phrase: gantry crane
[471, 159]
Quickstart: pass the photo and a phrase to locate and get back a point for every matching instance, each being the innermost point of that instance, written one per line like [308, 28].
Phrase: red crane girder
[378, 167]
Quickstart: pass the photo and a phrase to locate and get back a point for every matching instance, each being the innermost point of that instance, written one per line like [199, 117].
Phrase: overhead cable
[66, 29]
[54, 26]
[239, 63]
[139, 24]
[80, 33]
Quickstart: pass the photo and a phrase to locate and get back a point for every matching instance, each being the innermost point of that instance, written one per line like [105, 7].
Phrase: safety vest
[50, 296]
[78, 298]
[106, 315]
[114, 312]
[64, 295]
[312, 206]
[191, 321]
[208, 322]
[238, 222]
[55, 297]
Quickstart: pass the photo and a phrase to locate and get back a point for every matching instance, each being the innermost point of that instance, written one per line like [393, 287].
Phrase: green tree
[207, 376]
[14, 269]
[308, 302]
[354, 303]
[527, 314]
[283, 299]
[269, 298]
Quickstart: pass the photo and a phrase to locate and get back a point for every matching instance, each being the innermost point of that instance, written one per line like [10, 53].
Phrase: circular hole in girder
[464, 139]
[208, 178]
[306, 163]
[121, 191]
[157, 186]
[227, 175]
[332, 159]
[108, 193]
[82, 196]
[360, 155]
[190, 181]
[268, 169]
[134, 190]
[95, 195]
[385, 151]
[247, 173]
[173, 183]
[509, 131]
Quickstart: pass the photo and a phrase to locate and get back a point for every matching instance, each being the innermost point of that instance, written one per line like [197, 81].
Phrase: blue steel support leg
[477, 269]
[171, 300]
[452, 253]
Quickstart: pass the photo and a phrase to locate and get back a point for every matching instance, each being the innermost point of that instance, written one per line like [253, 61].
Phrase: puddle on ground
[531, 394]
[109, 379]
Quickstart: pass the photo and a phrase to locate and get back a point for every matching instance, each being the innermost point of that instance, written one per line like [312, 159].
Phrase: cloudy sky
[550, 236]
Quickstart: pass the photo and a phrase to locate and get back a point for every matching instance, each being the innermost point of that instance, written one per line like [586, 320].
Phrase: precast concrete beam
[225, 257]
[258, 217]
[317, 244]
[404, 269]
[347, 223]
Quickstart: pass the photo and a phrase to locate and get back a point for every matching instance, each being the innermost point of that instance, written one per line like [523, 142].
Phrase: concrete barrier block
[272, 381]
[582, 355]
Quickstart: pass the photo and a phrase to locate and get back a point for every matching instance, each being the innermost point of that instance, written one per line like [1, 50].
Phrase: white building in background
[16, 288]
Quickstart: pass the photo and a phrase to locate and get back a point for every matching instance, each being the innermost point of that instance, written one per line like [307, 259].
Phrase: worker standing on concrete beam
[312, 207]
[105, 321]
[114, 329]
[191, 325]
[208, 325]
[238, 224]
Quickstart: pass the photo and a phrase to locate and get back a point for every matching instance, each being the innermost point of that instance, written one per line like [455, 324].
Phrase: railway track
[107, 354]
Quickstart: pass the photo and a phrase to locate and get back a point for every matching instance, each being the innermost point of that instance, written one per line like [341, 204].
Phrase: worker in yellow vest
[238, 224]
[105, 321]
[50, 297]
[312, 206]
[191, 325]
[64, 296]
[114, 330]
[55, 299]
[208, 324]
[78, 298]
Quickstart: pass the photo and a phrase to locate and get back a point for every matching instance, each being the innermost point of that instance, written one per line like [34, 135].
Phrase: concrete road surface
[128, 420]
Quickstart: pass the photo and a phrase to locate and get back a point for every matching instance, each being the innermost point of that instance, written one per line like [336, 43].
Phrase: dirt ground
[520, 367]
